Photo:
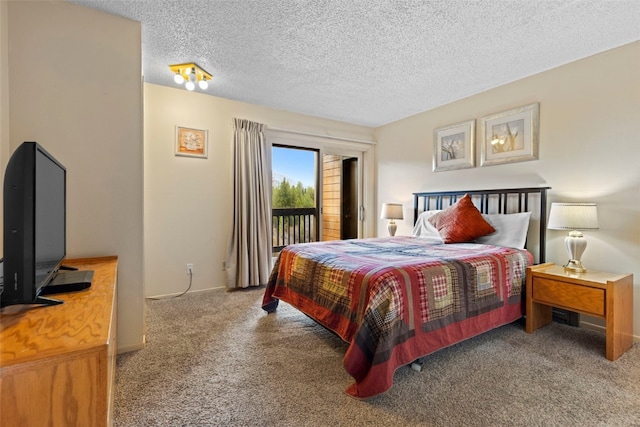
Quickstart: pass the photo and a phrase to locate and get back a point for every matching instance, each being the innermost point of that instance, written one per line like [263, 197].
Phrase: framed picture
[191, 142]
[453, 146]
[510, 136]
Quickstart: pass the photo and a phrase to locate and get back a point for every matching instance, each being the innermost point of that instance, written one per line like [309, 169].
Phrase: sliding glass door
[295, 210]
[320, 189]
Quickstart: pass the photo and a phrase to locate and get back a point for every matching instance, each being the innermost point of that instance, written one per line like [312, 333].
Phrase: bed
[397, 299]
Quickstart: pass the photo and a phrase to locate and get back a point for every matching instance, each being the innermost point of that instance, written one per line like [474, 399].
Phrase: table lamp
[391, 211]
[574, 217]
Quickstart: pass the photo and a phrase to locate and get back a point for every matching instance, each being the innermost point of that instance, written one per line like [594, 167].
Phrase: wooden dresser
[57, 363]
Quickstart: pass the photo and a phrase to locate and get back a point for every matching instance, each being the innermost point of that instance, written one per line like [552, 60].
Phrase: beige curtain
[249, 257]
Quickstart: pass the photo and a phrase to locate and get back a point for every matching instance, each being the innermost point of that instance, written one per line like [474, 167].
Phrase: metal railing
[293, 225]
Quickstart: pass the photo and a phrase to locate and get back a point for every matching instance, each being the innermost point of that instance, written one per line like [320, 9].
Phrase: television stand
[68, 281]
[57, 365]
[46, 301]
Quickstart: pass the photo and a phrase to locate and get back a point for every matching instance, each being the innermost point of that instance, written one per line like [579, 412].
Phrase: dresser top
[81, 323]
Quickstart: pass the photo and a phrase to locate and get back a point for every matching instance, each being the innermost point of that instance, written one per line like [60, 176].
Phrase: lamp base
[575, 244]
[392, 227]
[575, 266]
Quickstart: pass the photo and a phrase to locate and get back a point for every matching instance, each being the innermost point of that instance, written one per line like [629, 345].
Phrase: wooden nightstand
[605, 295]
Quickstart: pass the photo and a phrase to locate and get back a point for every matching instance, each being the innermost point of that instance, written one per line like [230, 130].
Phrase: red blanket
[398, 299]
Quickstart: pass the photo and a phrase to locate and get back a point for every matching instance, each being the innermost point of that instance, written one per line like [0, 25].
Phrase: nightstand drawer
[571, 296]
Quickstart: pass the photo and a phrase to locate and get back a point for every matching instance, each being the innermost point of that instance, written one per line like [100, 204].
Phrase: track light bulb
[178, 78]
[203, 84]
[190, 85]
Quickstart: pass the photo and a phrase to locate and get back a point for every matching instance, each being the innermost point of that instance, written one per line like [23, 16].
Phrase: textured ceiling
[369, 62]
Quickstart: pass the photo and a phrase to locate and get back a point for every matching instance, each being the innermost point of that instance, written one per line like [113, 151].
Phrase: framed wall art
[191, 142]
[453, 146]
[510, 136]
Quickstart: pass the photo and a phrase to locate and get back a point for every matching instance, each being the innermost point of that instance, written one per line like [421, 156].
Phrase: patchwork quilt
[397, 299]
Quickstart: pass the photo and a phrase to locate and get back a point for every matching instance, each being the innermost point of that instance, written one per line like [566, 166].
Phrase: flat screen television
[34, 240]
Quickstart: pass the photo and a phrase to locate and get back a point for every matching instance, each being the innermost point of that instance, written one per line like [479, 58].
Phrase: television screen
[50, 224]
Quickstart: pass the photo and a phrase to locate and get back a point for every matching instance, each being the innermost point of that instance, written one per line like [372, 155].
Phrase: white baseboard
[129, 348]
[600, 328]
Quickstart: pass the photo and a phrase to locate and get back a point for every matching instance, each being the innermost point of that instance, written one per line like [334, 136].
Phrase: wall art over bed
[510, 136]
[453, 146]
[191, 142]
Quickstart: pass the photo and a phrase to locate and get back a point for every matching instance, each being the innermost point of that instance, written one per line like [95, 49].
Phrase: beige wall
[189, 201]
[75, 87]
[589, 151]
[4, 96]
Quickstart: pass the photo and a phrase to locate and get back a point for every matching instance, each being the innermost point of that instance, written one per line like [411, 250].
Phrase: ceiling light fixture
[190, 73]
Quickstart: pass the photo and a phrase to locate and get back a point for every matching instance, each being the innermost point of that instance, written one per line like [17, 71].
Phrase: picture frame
[191, 142]
[511, 136]
[454, 146]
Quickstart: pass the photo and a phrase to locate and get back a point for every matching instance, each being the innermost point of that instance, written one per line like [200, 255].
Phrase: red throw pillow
[461, 222]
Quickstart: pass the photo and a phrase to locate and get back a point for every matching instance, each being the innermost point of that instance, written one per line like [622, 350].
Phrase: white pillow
[423, 228]
[511, 230]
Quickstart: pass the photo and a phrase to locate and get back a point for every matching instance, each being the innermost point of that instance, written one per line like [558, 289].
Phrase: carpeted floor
[215, 358]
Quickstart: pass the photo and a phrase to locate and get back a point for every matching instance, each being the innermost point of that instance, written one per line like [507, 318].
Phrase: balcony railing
[293, 225]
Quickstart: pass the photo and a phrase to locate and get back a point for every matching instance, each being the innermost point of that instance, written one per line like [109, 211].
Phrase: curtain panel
[250, 248]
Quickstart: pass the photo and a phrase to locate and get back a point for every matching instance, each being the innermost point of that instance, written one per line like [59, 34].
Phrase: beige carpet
[216, 359]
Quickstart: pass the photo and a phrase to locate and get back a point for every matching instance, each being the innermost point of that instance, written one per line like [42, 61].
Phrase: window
[294, 200]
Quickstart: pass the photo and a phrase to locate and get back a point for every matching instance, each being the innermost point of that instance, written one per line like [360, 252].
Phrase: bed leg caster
[417, 365]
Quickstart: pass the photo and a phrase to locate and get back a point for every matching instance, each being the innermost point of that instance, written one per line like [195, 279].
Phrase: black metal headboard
[503, 201]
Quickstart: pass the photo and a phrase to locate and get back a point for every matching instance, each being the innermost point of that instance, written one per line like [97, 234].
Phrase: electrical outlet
[224, 265]
[189, 268]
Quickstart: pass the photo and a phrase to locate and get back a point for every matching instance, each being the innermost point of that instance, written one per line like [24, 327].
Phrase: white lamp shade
[573, 216]
[391, 211]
